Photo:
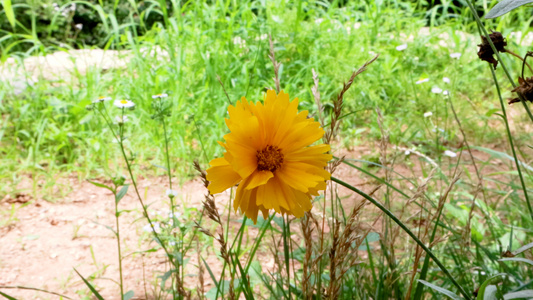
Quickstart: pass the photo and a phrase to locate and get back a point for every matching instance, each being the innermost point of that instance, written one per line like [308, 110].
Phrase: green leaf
[504, 7]
[499, 154]
[121, 193]
[101, 185]
[519, 259]
[440, 290]
[10, 14]
[519, 295]
[7, 296]
[523, 248]
[129, 295]
[490, 281]
[95, 292]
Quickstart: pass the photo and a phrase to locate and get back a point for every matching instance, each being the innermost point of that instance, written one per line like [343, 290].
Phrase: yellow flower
[268, 153]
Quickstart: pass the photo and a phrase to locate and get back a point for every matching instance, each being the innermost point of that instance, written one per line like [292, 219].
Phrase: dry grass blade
[225, 92]
[276, 64]
[316, 95]
[337, 104]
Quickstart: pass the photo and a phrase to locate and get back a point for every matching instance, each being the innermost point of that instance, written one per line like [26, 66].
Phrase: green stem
[119, 252]
[170, 196]
[481, 27]
[286, 233]
[486, 34]
[407, 230]
[509, 136]
[121, 144]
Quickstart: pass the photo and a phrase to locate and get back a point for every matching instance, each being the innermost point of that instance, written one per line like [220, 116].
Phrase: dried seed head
[485, 50]
[525, 89]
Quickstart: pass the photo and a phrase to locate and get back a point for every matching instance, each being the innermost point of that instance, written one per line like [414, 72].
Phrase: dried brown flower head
[485, 50]
[525, 89]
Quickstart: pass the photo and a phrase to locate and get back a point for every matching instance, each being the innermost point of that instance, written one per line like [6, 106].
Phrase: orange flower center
[269, 159]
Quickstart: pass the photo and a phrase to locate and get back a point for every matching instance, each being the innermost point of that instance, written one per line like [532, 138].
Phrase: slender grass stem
[408, 231]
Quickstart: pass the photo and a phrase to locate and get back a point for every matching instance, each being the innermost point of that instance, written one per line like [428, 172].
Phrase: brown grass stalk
[276, 64]
[210, 209]
[337, 104]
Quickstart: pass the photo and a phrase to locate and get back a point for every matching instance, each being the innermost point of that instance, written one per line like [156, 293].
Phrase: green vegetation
[190, 50]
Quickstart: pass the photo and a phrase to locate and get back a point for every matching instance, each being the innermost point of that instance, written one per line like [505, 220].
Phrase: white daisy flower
[159, 96]
[422, 80]
[148, 228]
[123, 103]
[446, 79]
[455, 55]
[446, 93]
[428, 114]
[401, 47]
[171, 193]
[450, 153]
[436, 90]
[121, 119]
[101, 99]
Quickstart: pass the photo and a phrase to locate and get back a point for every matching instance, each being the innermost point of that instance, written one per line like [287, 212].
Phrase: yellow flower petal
[221, 176]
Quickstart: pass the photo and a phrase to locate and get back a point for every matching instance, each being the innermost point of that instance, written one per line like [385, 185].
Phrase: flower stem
[407, 230]
[119, 252]
[120, 140]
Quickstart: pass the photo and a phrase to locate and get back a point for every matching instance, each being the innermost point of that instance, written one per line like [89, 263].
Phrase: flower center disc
[269, 159]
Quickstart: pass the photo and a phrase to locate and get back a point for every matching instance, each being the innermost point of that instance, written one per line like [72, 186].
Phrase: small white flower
[123, 103]
[422, 80]
[176, 214]
[446, 93]
[79, 26]
[401, 47]
[455, 55]
[171, 193]
[121, 119]
[446, 79]
[101, 99]
[407, 152]
[159, 96]
[148, 228]
[450, 153]
[436, 90]
[172, 243]
[428, 114]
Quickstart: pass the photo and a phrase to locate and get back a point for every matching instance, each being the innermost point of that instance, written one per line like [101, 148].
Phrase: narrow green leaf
[490, 281]
[523, 248]
[101, 185]
[519, 259]
[121, 193]
[95, 292]
[7, 296]
[10, 14]
[440, 290]
[504, 7]
[519, 295]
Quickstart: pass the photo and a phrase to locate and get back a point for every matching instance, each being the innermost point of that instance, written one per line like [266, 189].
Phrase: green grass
[46, 131]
